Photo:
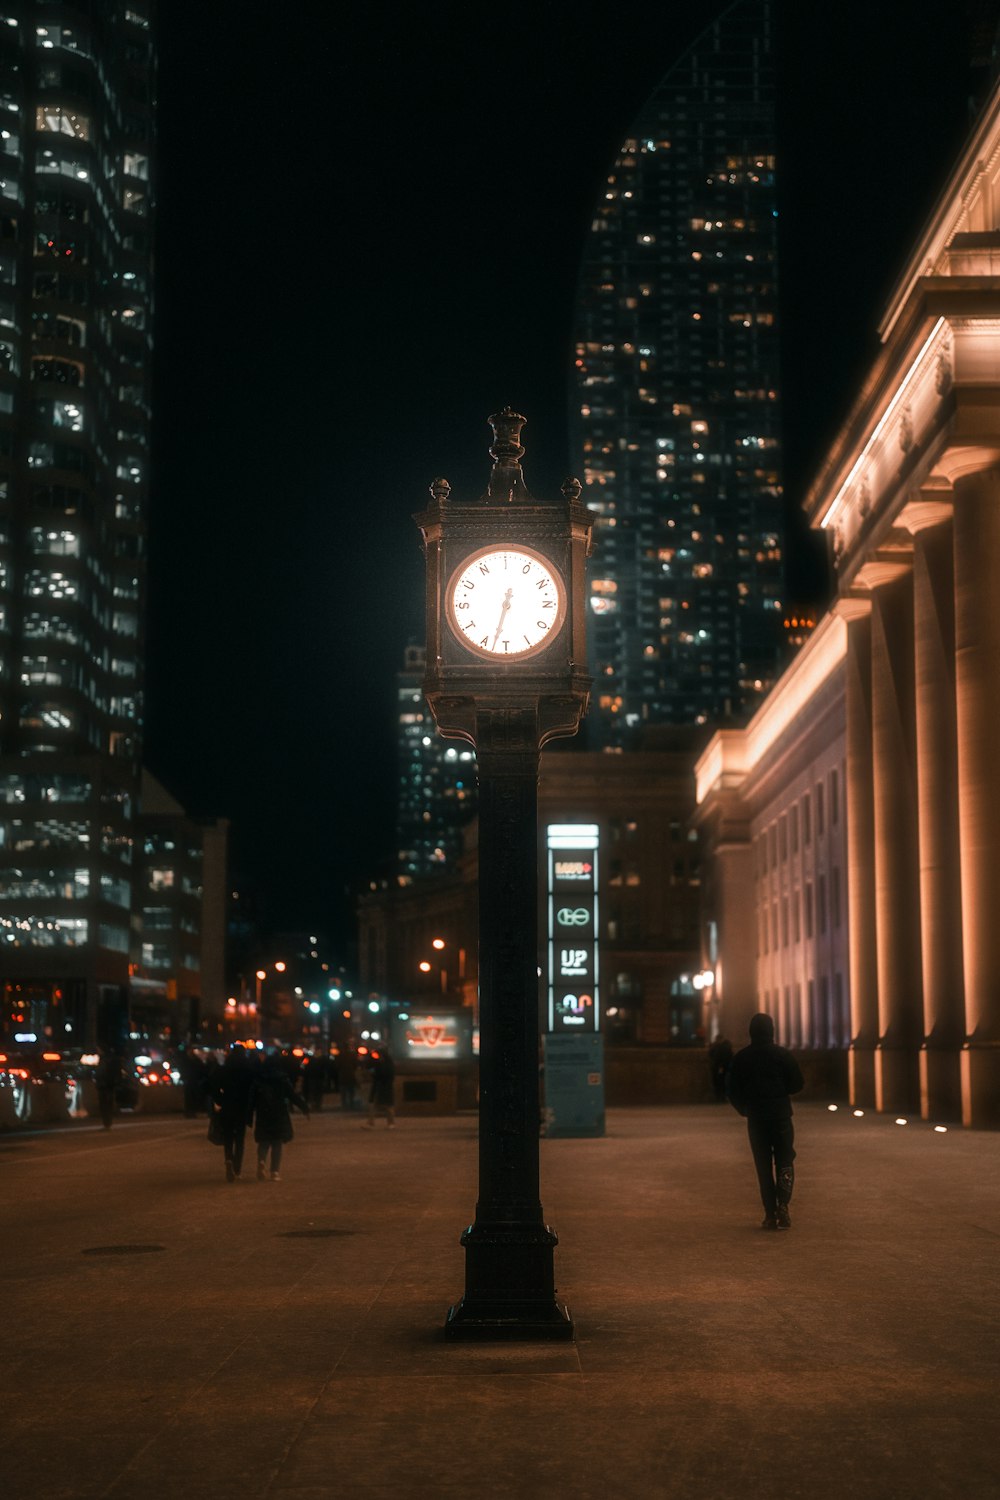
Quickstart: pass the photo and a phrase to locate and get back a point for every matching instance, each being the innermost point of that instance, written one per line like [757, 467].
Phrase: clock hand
[503, 615]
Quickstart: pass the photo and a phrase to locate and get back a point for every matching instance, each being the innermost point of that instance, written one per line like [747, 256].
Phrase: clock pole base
[480, 1322]
[509, 1286]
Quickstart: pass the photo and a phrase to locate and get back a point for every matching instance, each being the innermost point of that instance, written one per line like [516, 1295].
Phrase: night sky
[370, 224]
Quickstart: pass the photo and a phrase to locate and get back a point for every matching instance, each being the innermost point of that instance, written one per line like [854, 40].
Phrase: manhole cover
[314, 1234]
[123, 1249]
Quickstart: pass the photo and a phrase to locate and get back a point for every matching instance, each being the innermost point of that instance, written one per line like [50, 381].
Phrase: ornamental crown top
[506, 482]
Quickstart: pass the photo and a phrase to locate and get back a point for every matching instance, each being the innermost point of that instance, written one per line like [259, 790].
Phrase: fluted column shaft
[937, 795]
[861, 863]
[897, 898]
[977, 682]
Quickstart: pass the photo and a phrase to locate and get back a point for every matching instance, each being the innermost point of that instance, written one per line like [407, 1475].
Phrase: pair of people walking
[265, 1097]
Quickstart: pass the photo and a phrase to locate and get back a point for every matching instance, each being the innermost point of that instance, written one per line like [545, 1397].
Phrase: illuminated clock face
[506, 603]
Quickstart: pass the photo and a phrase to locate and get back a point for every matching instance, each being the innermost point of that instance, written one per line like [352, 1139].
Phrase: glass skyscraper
[77, 84]
[676, 396]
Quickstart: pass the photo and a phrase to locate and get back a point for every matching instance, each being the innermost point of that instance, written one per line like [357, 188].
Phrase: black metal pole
[509, 1285]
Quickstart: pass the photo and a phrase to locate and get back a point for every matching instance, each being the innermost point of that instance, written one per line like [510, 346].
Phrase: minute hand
[503, 615]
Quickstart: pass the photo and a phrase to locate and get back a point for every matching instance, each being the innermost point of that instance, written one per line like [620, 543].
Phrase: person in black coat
[273, 1102]
[761, 1081]
[383, 1089]
[232, 1088]
[109, 1077]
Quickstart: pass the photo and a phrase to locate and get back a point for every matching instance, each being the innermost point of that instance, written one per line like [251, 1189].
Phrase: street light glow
[424, 966]
[438, 943]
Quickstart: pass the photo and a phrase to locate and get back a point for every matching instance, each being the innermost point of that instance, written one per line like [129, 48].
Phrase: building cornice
[732, 754]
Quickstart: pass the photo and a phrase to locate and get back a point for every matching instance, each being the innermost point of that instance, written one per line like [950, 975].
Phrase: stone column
[977, 681]
[937, 795]
[860, 853]
[897, 892]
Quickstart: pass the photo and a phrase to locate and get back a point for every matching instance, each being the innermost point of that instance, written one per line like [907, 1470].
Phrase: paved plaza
[284, 1339]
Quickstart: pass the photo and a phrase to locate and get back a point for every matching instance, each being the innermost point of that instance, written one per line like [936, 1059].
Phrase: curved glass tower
[676, 397]
[76, 139]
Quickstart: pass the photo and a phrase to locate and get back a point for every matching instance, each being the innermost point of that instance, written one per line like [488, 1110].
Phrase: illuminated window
[63, 121]
[46, 716]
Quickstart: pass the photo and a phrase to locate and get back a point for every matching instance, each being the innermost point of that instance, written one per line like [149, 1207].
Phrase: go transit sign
[573, 977]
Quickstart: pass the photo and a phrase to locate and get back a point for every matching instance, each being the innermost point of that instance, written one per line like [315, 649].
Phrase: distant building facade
[437, 785]
[648, 893]
[676, 395]
[895, 694]
[177, 968]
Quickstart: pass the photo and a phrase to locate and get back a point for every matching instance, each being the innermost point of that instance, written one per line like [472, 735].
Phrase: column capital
[882, 570]
[852, 606]
[962, 459]
[931, 509]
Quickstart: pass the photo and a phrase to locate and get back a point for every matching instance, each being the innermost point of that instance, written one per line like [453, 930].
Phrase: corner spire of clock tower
[506, 479]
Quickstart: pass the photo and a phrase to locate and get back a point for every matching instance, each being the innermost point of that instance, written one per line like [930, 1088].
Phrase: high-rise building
[676, 394]
[437, 783]
[77, 85]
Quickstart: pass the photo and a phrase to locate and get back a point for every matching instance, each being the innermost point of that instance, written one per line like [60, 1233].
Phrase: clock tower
[506, 650]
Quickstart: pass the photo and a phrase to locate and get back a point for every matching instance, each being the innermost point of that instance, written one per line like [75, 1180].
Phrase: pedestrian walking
[273, 1102]
[108, 1076]
[348, 1070]
[194, 1075]
[383, 1088]
[720, 1055]
[315, 1072]
[233, 1087]
[762, 1079]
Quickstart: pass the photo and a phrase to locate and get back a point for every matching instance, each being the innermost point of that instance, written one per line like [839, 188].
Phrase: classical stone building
[897, 696]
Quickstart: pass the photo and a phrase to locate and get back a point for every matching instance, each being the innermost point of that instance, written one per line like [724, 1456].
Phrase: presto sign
[571, 850]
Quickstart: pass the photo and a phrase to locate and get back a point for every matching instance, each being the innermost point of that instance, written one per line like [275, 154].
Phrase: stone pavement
[284, 1339]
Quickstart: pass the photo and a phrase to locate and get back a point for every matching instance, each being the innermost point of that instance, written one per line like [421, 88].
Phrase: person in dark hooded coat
[273, 1101]
[761, 1081]
[232, 1088]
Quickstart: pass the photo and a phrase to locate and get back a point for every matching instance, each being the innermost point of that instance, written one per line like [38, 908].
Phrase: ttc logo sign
[572, 916]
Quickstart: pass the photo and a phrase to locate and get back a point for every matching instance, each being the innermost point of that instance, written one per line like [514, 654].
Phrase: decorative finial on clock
[440, 489]
[571, 489]
[506, 480]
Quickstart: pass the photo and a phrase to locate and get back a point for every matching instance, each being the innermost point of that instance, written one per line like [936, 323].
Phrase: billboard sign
[432, 1036]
